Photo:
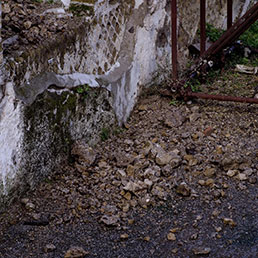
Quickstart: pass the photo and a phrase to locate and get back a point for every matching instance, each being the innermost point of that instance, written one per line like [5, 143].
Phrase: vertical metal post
[203, 26]
[229, 13]
[174, 38]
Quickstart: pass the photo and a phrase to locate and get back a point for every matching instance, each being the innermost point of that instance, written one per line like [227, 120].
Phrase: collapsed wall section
[73, 72]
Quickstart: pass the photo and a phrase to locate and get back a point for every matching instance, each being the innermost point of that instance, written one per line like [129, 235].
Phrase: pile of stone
[30, 22]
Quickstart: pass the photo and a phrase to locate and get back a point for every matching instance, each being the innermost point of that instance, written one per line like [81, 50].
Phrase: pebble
[171, 236]
[30, 206]
[202, 250]
[76, 252]
[109, 220]
[209, 182]
[208, 131]
[209, 172]
[232, 173]
[183, 190]
[230, 222]
[242, 176]
[124, 236]
[50, 248]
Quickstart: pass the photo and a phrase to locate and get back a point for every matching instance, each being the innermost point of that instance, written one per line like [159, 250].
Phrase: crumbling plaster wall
[115, 53]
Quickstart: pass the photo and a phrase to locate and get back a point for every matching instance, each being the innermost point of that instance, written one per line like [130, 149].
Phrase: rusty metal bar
[229, 13]
[221, 97]
[174, 38]
[234, 32]
[203, 26]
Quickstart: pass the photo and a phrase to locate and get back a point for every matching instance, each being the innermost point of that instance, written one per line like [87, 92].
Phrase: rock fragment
[76, 252]
[183, 190]
[49, 248]
[109, 220]
[171, 236]
[202, 250]
[230, 222]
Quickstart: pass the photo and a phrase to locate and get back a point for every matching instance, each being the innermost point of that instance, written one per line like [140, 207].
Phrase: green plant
[250, 37]
[173, 102]
[117, 130]
[194, 84]
[50, 1]
[83, 89]
[212, 32]
[104, 134]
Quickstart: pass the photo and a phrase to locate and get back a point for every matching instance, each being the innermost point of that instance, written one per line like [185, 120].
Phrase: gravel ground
[180, 180]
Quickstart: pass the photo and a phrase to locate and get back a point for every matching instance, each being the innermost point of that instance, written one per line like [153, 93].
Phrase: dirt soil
[180, 180]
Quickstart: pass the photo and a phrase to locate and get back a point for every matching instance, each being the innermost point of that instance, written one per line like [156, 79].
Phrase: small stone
[209, 172]
[183, 190]
[174, 230]
[219, 150]
[202, 250]
[130, 170]
[142, 107]
[127, 126]
[6, 8]
[30, 206]
[84, 154]
[208, 131]
[147, 238]
[126, 208]
[209, 182]
[242, 176]
[130, 221]
[201, 182]
[230, 222]
[215, 213]
[133, 187]
[124, 236]
[148, 182]
[128, 196]
[109, 220]
[194, 236]
[171, 236]
[27, 24]
[218, 229]
[163, 158]
[252, 180]
[232, 172]
[174, 251]
[50, 248]
[248, 171]
[25, 200]
[75, 252]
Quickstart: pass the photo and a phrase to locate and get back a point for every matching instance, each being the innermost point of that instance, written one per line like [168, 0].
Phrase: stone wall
[84, 80]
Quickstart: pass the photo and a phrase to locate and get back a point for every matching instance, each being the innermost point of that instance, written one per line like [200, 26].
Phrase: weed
[213, 33]
[174, 102]
[50, 1]
[194, 84]
[117, 130]
[80, 10]
[250, 37]
[104, 134]
[83, 90]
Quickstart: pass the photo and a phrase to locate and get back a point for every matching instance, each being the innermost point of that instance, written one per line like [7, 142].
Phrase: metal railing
[232, 33]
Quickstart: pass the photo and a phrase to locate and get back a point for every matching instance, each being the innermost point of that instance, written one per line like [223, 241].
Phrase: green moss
[105, 133]
[81, 9]
[250, 37]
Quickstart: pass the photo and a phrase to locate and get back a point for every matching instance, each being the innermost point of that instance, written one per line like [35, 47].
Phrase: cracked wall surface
[114, 50]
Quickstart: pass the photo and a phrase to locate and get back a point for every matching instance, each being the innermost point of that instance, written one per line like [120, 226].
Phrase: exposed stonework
[114, 51]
